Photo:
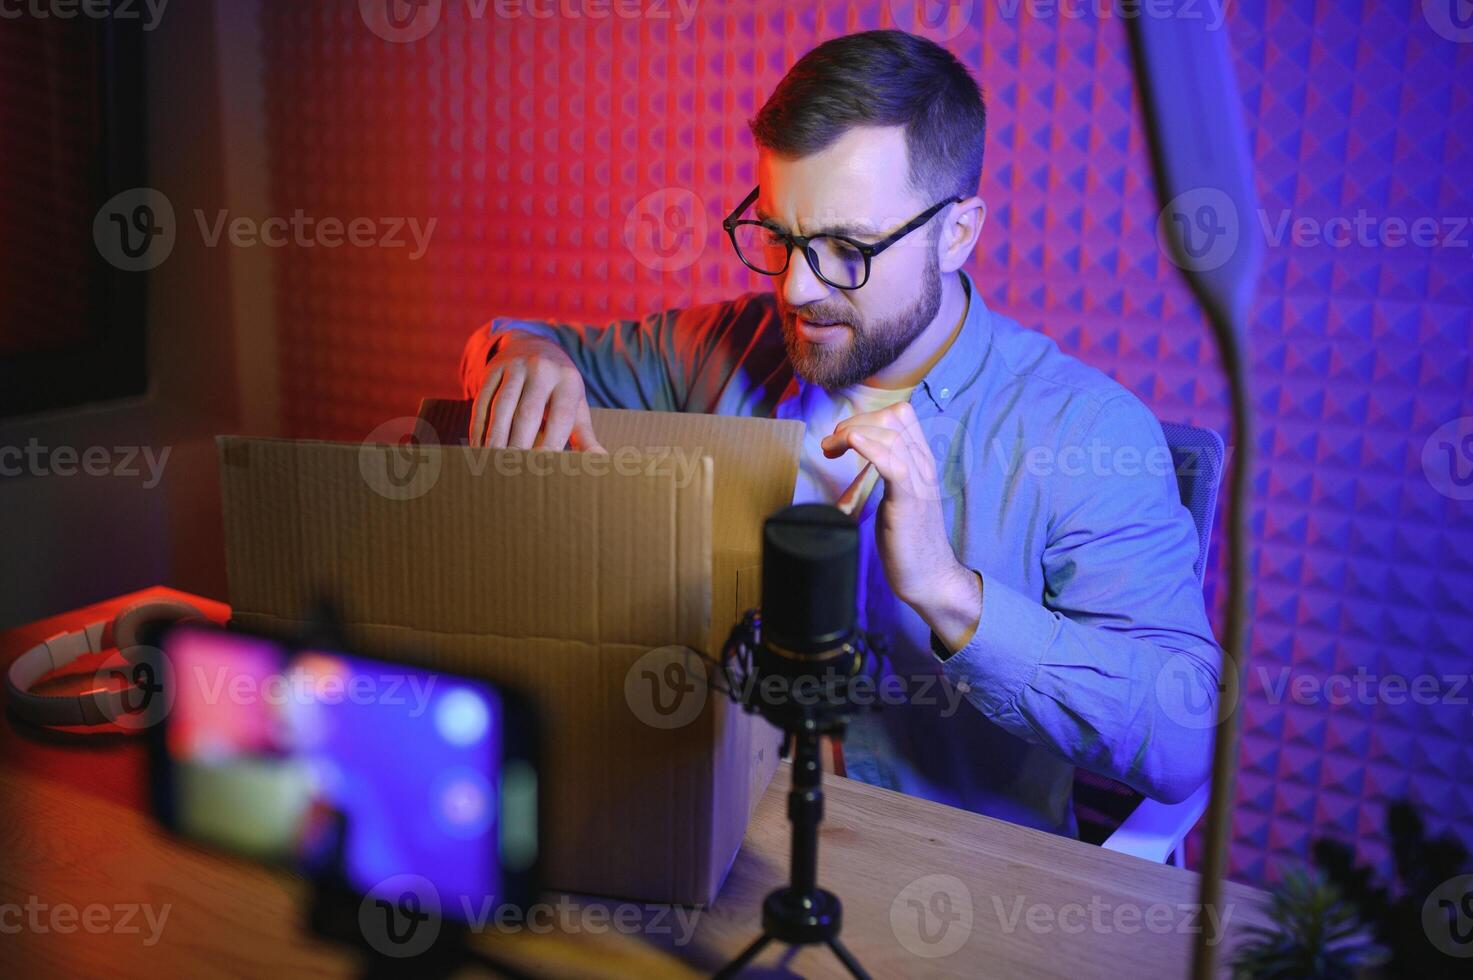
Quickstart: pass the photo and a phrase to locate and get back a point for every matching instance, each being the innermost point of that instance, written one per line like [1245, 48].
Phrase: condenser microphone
[801, 660]
[810, 582]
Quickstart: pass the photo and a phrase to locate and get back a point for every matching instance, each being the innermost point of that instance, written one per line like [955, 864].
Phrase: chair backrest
[1198, 456]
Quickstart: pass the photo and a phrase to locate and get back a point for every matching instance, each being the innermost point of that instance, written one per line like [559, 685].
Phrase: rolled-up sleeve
[667, 362]
[1114, 667]
[624, 364]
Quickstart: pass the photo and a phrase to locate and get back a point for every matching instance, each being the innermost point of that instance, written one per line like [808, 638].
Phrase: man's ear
[959, 235]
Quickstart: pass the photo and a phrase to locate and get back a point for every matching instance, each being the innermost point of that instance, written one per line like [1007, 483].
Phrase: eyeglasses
[838, 260]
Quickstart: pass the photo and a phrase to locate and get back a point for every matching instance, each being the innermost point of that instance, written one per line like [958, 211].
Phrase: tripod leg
[747, 955]
[847, 958]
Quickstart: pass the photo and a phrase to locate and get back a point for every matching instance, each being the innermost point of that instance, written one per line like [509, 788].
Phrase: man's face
[858, 187]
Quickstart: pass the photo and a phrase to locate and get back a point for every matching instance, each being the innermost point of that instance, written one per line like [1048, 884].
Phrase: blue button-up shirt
[1093, 647]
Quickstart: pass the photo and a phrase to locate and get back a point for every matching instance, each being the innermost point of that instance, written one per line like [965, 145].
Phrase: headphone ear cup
[133, 621]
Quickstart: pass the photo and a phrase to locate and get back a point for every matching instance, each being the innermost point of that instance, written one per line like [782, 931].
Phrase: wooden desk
[75, 834]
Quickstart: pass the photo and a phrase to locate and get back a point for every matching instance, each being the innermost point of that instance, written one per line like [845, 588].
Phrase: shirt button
[964, 687]
[945, 392]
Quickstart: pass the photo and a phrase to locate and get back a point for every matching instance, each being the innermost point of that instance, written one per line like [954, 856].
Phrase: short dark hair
[883, 78]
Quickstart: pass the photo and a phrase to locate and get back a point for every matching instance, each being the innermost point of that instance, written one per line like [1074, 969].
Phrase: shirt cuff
[1002, 656]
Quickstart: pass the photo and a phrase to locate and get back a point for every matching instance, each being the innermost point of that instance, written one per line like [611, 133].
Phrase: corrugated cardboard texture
[756, 467]
[756, 459]
[514, 566]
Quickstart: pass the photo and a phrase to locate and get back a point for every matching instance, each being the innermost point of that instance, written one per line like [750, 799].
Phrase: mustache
[819, 316]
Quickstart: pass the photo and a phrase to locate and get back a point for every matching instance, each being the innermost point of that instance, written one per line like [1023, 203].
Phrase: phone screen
[349, 768]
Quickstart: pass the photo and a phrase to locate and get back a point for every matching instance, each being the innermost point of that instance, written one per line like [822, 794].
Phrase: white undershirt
[820, 479]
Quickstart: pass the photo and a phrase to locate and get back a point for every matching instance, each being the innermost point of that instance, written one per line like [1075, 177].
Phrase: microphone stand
[802, 914]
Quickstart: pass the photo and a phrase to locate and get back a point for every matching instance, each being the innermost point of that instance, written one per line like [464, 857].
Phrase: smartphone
[353, 770]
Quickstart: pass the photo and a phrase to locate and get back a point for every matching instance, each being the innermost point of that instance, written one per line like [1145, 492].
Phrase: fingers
[583, 437]
[886, 448]
[530, 409]
[532, 398]
[482, 407]
[911, 423]
[504, 405]
[836, 444]
[562, 412]
[891, 439]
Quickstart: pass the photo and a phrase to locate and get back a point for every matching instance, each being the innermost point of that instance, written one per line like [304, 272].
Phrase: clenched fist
[532, 397]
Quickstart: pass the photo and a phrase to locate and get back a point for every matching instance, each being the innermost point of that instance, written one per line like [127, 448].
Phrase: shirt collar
[948, 377]
[963, 360]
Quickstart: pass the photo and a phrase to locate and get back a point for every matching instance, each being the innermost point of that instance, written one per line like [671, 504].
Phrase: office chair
[1110, 813]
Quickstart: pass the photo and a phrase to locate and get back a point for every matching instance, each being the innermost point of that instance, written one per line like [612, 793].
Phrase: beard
[872, 346]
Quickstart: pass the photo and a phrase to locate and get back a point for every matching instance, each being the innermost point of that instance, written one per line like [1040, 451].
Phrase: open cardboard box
[556, 573]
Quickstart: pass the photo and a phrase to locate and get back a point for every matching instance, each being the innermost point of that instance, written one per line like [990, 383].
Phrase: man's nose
[800, 286]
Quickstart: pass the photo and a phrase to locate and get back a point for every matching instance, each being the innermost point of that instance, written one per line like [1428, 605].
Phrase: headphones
[98, 706]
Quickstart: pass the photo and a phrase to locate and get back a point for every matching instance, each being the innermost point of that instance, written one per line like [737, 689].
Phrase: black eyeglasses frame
[867, 249]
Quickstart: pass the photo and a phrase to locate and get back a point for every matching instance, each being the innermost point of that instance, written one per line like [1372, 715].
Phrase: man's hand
[910, 528]
[532, 398]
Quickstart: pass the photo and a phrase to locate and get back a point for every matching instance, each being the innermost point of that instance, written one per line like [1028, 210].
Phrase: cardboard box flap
[616, 555]
[756, 459]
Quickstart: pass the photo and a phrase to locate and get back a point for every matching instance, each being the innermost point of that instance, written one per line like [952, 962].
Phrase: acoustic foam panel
[578, 167]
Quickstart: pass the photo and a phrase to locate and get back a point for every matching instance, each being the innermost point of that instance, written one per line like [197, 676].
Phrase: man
[1028, 548]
